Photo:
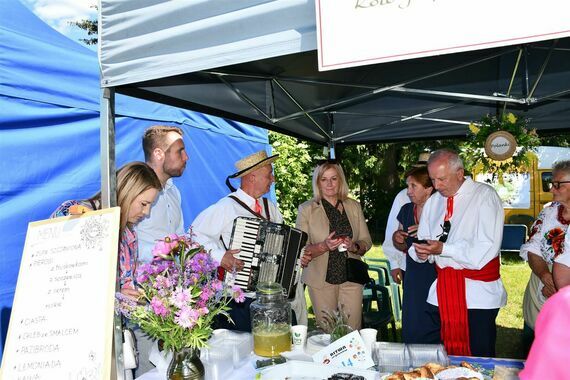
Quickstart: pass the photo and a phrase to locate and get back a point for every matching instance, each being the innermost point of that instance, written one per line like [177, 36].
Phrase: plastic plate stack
[392, 357]
[227, 350]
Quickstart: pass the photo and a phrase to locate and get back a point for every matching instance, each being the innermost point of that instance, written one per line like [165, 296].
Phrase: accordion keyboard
[270, 253]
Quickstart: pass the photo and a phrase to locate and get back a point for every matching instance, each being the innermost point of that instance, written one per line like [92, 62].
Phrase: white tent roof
[149, 39]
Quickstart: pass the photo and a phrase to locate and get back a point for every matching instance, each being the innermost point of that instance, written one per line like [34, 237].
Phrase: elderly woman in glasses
[337, 231]
[416, 326]
[547, 244]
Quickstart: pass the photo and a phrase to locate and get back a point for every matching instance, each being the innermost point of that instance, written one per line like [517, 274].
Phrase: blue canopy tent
[49, 135]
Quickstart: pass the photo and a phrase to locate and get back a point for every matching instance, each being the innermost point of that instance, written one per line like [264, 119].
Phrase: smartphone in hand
[419, 241]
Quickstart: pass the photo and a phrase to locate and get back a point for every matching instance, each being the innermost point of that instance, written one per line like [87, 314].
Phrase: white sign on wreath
[500, 145]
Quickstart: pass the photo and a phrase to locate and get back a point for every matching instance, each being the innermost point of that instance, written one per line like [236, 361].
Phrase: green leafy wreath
[526, 140]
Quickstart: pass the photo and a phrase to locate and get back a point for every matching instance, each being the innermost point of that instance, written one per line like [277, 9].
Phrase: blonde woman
[137, 188]
[337, 231]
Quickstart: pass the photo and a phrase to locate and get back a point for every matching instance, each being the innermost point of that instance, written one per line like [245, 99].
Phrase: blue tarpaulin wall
[49, 136]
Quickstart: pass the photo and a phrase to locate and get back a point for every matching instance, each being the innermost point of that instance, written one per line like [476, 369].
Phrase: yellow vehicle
[524, 195]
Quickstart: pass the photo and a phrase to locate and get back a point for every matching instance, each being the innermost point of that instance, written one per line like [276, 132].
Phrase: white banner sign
[61, 325]
[362, 32]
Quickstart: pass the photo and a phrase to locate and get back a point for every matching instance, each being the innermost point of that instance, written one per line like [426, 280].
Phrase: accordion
[270, 252]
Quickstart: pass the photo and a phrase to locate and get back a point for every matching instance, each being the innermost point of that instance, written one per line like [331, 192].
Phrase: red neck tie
[449, 211]
[257, 207]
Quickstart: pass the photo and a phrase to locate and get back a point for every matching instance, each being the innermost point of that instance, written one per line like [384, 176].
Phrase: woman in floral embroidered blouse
[137, 188]
[545, 245]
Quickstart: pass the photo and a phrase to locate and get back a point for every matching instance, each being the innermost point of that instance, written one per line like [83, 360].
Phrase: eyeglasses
[446, 226]
[556, 184]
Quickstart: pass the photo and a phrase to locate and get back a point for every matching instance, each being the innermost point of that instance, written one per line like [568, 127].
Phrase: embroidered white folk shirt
[474, 239]
[396, 257]
[165, 218]
[218, 219]
[547, 237]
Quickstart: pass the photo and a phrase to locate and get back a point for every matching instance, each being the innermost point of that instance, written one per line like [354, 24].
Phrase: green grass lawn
[515, 274]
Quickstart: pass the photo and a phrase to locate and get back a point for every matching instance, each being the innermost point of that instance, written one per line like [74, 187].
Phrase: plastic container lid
[268, 288]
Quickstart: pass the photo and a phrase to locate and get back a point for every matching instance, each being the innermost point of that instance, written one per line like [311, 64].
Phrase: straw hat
[422, 160]
[252, 162]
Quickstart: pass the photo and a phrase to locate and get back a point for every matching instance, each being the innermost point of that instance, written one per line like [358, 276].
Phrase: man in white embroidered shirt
[463, 226]
[213, 226]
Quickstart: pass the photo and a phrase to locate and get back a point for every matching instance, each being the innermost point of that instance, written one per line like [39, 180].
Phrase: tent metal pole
[243, 97]
[553, 96]
[541, 72]
[380, 90]
[108, 181]
[513, 76]
[525, 86]
[332, 153]
[109, 199]
[492, 98]
[300, 107]
[406, 118]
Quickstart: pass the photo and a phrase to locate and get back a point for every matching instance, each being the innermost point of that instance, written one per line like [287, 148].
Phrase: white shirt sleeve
[534, 243]
[424, 228]
[180, 227]
[209, 226]
[396, 257]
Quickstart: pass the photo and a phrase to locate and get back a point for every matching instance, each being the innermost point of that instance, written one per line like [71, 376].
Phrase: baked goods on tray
[429, 371]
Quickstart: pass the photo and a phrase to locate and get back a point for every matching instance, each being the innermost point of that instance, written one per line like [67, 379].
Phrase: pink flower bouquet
[180, 294]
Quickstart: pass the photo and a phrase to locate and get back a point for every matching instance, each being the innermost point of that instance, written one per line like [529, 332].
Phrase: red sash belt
[453, 304]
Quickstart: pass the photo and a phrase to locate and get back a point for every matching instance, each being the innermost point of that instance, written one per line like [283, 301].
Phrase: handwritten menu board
[61, 325]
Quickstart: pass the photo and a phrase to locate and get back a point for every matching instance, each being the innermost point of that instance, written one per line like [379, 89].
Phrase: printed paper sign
[61, 325]
[348, 351]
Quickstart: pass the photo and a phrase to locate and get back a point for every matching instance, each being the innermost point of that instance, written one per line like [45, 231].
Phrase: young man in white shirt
[165, 152]
[463, 225]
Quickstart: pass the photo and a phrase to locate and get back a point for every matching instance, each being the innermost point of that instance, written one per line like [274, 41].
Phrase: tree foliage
[293, 173]
[89, 26]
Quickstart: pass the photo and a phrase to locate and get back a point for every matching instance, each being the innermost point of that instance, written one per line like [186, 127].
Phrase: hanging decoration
[500, 144]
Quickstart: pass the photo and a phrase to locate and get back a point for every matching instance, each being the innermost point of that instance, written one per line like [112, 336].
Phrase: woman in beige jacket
[337, 230]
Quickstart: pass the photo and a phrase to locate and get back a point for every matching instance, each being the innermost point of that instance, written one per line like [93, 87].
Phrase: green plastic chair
[383, 316]
[389, 282]
[367, 291]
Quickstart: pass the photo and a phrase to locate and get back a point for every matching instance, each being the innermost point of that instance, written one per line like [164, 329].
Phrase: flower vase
[186, 365]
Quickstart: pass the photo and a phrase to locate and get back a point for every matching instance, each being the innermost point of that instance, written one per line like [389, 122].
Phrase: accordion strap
[265, 204]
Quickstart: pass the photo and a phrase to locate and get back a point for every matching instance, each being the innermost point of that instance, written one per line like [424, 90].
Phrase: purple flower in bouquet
[180, 294]
[158, 307]
[192, 279]
[238, 294]
[181, 298]
[125, 305]
[201, 263]
[217, 286]
[187, 317]
[163, 282]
